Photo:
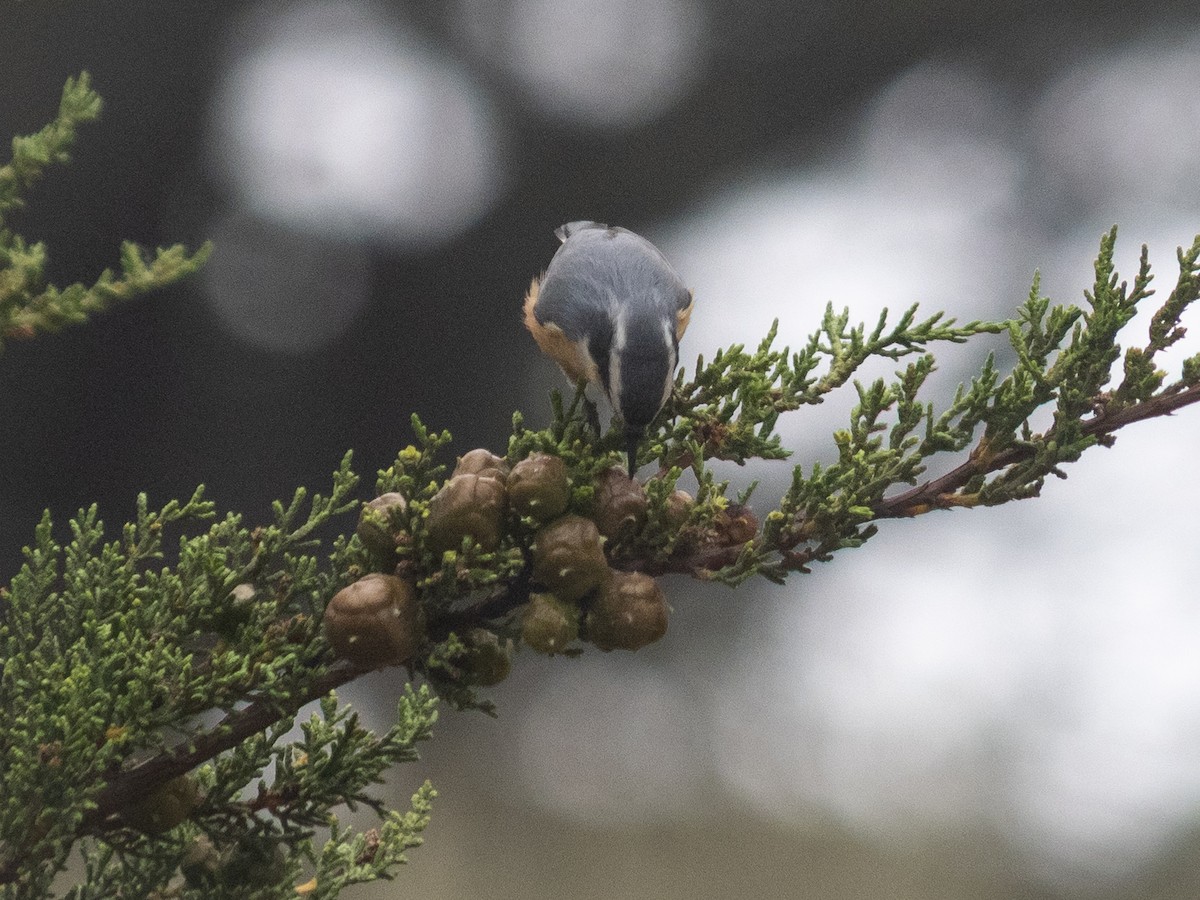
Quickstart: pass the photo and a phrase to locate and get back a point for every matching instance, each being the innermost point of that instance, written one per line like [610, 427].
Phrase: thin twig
[133, 784]
[940, 492]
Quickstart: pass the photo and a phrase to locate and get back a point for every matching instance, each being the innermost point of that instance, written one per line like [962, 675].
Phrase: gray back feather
[597, 270]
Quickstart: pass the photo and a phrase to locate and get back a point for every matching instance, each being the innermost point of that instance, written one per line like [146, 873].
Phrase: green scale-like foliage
[28, 304]
[109, 659]
[152, 681]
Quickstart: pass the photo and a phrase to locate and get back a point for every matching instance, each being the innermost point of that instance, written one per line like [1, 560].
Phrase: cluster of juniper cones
[575, 593]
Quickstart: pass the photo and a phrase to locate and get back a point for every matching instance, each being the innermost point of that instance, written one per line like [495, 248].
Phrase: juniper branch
[129, 785]
[28, 304]
[944, 492]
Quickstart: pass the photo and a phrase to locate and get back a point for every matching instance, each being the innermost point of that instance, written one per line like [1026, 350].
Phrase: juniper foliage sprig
[357, 858]
[108, 659]
[732, 403]
[834, 507]
[28, 304]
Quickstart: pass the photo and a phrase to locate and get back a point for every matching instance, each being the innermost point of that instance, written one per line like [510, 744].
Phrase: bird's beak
[632, 439]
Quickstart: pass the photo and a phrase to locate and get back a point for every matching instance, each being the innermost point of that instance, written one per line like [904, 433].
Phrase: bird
[611, 310]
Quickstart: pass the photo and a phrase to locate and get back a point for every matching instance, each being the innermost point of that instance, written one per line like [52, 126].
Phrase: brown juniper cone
[254, 861]
[237, 611]
[488, 661]
[467, 505]
[676, 513]
[375, 523]
[201, 862]
[548, 624]
[482, 462]
[678, 507]
[538, 486]
[165, 807]
[374, 622]
[620, 503]
[736, 524]
[629, 611]
[568, 557]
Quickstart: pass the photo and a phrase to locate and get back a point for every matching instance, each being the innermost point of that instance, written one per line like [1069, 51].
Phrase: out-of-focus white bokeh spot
[332, 118]
[1034, 673]
[594, 62]
[918, 212]
[899, 671]
[1108, 772]
[1125, 130]
[922, 211]
[284, 290]
[610, 742]
[943, 135]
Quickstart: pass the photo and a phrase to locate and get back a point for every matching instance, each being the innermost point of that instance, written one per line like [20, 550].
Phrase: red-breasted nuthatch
[611, 310]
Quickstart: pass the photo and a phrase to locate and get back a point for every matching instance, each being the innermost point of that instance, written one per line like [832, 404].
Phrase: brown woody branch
[130, 785]
[133, 784]
[942, 493]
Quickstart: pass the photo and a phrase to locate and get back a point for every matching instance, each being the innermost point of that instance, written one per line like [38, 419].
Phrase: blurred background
[992, 704]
